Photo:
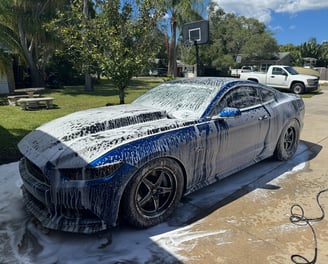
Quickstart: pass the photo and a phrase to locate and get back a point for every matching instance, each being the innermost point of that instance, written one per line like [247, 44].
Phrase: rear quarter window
[267, 96]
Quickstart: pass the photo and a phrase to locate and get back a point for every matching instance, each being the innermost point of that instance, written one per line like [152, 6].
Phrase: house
[280, 58]
[4, 89]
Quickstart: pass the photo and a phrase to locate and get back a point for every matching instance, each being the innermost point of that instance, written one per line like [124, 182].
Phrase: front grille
[35, 171]
[313, 82]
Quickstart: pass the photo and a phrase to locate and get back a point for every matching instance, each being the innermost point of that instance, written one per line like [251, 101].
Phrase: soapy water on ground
[22, 240]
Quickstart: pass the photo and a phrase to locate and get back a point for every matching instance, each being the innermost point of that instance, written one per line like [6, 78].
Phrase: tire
[288, 141]
[298, 88]
[153, 193]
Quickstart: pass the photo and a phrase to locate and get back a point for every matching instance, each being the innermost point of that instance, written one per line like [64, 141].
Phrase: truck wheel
[298, 88]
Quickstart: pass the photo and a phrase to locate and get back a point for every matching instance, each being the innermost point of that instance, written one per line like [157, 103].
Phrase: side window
[277, 71]
[244, 97]
[267, 96]
[239, 97]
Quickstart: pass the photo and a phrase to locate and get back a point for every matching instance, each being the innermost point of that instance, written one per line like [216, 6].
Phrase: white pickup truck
[236, 72]
[283, 77]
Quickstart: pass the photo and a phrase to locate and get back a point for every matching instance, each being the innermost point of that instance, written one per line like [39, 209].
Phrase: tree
[25, 19]
[295, 53]
[10, 44]
[117, 38]
[179, 12]
[126, 39]
[309, 49]
[259, 42]
[73, 25]
[323, 62]
[232, 35]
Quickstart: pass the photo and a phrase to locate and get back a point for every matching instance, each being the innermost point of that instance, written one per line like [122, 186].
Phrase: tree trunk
[88, 84]
[122, 95]
[36, 76]
[10, 78]
[172, 67]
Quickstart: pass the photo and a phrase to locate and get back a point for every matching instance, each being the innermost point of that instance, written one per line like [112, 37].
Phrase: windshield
[291, 70]
[180, 100]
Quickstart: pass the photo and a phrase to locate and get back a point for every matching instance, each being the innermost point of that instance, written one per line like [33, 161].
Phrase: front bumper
[311, 88]
[76, 208]
[312, 85]
[51, 220]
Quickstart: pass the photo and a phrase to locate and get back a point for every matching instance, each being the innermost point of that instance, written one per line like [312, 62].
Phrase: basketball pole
[197, 58]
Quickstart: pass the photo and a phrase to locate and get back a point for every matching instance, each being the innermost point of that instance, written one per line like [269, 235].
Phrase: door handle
[263, 117]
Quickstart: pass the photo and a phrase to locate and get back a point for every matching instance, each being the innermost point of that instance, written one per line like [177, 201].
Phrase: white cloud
[262, 9]
[276, 28]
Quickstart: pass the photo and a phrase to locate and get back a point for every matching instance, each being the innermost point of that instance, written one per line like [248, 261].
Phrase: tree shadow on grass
[8, 144]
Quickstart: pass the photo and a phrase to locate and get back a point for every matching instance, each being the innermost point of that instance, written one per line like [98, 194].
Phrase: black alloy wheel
[288, 141]
[153, 193]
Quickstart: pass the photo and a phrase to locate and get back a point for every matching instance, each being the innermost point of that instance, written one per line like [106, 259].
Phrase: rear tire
[288, 141]
[153, 193]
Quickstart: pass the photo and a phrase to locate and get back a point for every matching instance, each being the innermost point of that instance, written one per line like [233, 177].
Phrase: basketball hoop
[196, 32]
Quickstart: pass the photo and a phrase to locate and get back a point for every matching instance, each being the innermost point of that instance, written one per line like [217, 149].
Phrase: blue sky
[291, 21]
[300, 27]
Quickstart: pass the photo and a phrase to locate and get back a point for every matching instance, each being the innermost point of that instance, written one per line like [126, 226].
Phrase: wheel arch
[296, 82]
[184, 173]
[253, 80]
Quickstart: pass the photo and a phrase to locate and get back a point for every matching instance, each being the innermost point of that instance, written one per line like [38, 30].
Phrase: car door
[278, 77]
[237, 142]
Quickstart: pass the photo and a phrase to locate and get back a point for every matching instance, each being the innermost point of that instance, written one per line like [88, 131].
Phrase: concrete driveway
[256, 227]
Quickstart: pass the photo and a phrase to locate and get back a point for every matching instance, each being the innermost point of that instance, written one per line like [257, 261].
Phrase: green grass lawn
[16, 123]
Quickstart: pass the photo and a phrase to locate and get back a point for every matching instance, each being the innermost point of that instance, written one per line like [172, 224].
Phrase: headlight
[90, 173]
[312, 82]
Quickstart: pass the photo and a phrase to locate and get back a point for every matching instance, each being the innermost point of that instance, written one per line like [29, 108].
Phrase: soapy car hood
[79, 138]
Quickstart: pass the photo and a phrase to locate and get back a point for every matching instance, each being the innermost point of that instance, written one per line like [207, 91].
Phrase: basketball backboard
[196, 32]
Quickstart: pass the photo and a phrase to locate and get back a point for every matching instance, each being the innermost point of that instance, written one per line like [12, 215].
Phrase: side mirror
[228, 112]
